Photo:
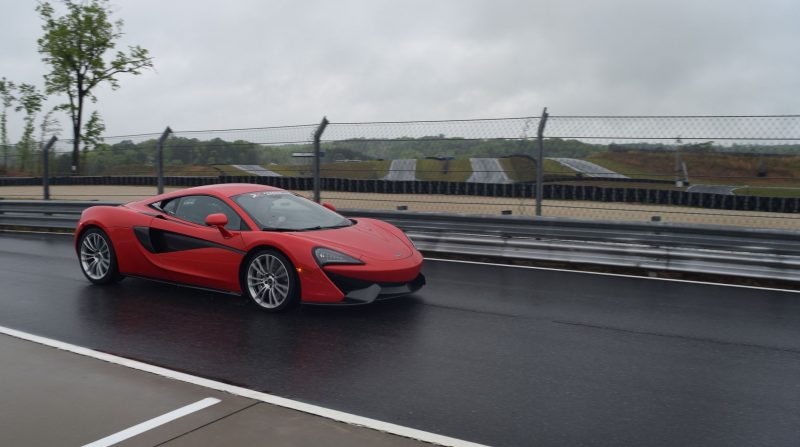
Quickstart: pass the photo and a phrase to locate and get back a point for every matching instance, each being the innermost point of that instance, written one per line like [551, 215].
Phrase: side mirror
[216, 220]
[329, 206]
[219, 220]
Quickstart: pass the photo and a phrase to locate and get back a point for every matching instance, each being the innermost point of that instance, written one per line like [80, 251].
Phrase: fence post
[317, 137]
[540, 162]
[46, 166]
[160, 159]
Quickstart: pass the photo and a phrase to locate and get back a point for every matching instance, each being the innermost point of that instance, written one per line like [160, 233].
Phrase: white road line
[335, 415]
[614, 274]
[153, 423]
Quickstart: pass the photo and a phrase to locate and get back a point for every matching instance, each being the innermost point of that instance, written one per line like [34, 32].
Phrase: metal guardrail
[756, 253]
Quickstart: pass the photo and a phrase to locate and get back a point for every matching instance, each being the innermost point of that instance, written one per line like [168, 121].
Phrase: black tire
[97, 258]
[269, 281]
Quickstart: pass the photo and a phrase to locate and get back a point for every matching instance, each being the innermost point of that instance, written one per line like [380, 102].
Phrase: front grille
[347, 285]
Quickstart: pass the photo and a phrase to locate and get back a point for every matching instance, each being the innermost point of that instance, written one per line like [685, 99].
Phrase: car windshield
[284, 211]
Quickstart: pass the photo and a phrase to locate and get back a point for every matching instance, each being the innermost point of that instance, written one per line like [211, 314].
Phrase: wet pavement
[53, 397]
[496, 355]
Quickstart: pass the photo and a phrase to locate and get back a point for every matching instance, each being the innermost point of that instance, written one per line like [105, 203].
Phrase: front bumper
[358, 291]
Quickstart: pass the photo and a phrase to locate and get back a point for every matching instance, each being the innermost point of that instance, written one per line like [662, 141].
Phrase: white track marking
[335, 415]
[588, 168]
[405, 170]
[613, 274]
[487, 170]
[153, 423]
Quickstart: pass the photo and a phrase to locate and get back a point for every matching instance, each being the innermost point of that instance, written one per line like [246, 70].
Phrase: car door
[188, 251]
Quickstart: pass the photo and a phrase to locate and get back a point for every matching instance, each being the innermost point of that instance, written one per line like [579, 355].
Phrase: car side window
[169, 206]
[197, 208]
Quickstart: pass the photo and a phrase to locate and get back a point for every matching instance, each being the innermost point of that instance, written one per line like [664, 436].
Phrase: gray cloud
[254, 63]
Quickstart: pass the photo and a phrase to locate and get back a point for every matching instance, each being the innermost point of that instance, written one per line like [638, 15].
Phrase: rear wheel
[97, 257]
[270, 282]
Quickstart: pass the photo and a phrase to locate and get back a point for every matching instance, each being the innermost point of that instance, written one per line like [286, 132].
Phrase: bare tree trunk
[76, 133]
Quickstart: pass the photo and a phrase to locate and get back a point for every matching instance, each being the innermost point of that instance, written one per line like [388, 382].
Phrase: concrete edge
[335, 415]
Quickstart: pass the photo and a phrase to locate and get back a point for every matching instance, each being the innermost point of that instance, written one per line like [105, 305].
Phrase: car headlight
[326, 256]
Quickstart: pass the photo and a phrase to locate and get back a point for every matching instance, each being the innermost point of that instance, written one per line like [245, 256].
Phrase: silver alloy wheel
[95, 256]
[268, 281]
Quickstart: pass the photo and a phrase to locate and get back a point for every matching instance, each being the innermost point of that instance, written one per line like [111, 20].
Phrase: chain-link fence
[729, 170]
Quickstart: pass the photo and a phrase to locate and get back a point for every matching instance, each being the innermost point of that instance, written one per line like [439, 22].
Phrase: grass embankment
[370, 170]
[456, 170]
[178, 171]
[523, 169]
[781, 174]
[230, 170]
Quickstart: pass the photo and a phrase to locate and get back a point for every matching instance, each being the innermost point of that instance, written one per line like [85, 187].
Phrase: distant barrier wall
[511, 190]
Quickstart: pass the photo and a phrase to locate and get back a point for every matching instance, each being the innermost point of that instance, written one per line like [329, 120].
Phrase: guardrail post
[540, 162]
[46, 166]
[160, 159]
[317, 137]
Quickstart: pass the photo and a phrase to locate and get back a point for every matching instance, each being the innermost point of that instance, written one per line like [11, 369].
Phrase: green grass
[373, 169]
[627, 169]
[169, 170]
[457, 170]
[370, 170]
[705, 168]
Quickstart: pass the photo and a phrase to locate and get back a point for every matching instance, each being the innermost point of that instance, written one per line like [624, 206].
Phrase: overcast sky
[251, 63]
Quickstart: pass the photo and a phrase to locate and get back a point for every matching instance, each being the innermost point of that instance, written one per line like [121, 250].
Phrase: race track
[402, 170]
[487, 170]
[498, 355]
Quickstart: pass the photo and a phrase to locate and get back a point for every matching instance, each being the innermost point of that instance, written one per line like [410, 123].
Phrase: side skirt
[182, 284]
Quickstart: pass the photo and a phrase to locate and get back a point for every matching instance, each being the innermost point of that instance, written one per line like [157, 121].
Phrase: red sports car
[271, 245]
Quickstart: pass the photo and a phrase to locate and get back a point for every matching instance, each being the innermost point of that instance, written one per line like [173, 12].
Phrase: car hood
[363, 239]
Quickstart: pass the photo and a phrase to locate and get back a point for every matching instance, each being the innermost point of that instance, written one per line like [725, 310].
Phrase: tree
[6, 98]
[30, 100]
[49, 127]
[93, 135]
[74, 46]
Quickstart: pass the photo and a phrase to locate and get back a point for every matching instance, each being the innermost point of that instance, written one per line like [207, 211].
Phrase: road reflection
[223, 337]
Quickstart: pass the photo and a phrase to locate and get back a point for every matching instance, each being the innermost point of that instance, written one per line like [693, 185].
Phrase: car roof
[223, 189]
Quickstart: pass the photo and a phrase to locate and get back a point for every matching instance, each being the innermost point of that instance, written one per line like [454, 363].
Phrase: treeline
[709, 147]
[129, 157]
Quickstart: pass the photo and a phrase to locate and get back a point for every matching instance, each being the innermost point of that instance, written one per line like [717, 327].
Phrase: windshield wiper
[316, 227]
[320, 227]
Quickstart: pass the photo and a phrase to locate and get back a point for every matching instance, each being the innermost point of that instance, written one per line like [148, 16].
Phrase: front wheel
[97, 257]
[270, 282]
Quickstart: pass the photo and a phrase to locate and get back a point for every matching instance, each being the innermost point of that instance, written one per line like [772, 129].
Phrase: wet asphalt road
[497, 355]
